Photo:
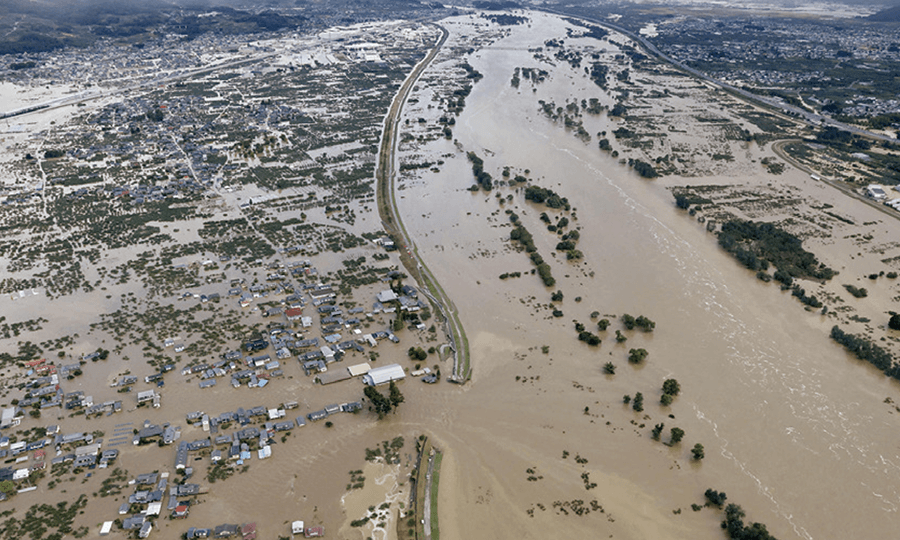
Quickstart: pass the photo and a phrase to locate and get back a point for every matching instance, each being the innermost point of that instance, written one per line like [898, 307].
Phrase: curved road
[385, 175]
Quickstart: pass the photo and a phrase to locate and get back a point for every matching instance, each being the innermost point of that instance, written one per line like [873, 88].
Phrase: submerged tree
[698, 452]
[380, 404]
[395, 397]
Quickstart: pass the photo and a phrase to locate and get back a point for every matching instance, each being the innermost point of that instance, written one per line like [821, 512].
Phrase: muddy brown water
[794, 430]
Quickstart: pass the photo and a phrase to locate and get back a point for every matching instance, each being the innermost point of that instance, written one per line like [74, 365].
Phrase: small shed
[297, 527]
[359, 369]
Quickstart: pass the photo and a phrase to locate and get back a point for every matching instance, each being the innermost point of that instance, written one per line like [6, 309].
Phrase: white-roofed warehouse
[384, 374]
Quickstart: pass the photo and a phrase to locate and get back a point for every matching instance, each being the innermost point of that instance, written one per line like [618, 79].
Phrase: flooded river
[794, 431]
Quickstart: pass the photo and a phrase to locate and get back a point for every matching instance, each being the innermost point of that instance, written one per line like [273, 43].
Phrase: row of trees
[521, 235]
[868, 351]
[482, 177]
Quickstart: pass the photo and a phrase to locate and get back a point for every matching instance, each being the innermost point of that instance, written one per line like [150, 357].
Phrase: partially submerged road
[385, 176]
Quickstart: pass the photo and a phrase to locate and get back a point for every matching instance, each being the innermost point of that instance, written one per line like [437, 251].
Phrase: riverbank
[393, 224]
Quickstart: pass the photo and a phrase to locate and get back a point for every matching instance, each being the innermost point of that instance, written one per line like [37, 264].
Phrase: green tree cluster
[698, 452]
[482, 177]
[857, 292]
[644, 323]
[636, 356]
[520, 234]
[734, 525]
[715, 498]
[638, 403]
[756, 245]
[894, 321]
[546, 197]
[380, 403]
[643, 168]
[671, 387]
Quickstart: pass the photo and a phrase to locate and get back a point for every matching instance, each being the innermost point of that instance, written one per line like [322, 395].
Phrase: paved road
[427, 510]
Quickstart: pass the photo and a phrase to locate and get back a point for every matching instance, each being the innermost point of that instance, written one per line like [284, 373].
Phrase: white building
[386, 296]
[384, 374]
[876, 192]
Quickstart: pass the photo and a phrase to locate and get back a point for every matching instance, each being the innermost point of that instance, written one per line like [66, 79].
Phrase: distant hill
[496, 6]
[891, 14]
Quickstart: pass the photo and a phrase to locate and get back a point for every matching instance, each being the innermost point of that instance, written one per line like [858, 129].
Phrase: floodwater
[794, 431]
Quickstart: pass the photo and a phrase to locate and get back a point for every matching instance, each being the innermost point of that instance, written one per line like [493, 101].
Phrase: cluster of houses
[246, 531]
[254, 428]
[298, 527]
[257, 368]
[80, 449]
[146, 503]
[45, 391]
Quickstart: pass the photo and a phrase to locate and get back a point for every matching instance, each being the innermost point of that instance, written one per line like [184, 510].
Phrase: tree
[734, 520]
[636, 356]
[381, 404]
[8, 488]
[589, 338]
[894, 322]
[626, 399]
[657, 430]
[620, 337]
[644, 324]
[715, 498]
[671, 387]
[638, 403]
[666, 400]
[602, 324]
[609, 368]
[628, 321]
[698, 452]
[395, 397]
[676, 435]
